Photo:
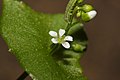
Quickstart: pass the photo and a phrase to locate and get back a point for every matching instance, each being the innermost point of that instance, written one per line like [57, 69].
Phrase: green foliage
[26, 33]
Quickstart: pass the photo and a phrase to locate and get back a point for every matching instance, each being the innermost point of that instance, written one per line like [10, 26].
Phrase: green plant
[27, 34]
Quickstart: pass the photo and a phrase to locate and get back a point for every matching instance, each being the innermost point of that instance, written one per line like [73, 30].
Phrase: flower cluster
[86, 12]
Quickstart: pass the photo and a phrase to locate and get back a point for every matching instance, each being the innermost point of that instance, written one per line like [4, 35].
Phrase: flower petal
[66, 45]
[92, 14]
[53, 33]
[68, 38]
[61, 32]
[54, 40]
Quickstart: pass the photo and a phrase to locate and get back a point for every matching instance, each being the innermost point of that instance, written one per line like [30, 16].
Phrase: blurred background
[102, 59]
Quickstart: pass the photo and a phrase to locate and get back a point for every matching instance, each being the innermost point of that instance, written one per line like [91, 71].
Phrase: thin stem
[69, 25]
[75, 23]
[54, 47]
[23, 76]
[67, 28]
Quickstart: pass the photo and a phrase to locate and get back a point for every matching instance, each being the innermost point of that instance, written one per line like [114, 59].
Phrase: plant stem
[67, 28]
[23, 76]
[55, 48]
[69, 25]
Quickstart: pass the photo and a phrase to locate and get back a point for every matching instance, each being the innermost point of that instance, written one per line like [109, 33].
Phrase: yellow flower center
[61, 39]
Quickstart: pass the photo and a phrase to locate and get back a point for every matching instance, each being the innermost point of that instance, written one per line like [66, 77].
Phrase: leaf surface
[26, 33]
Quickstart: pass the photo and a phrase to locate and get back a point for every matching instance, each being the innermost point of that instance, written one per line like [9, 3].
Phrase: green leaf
[26, 33]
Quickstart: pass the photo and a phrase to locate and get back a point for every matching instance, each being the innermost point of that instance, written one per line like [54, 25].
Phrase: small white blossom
[92, 14]
[61, 38]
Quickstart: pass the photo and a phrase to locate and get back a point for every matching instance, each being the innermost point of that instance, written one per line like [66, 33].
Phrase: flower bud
[92, 14]
[89, 15]
[78, 47]
[87, 7]
[80, 1]
[78, 14]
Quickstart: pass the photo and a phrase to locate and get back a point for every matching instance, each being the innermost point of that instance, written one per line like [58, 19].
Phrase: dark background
[102, 59]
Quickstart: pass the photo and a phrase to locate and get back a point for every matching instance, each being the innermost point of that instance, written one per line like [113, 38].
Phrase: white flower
[92, 14]
[61, 38]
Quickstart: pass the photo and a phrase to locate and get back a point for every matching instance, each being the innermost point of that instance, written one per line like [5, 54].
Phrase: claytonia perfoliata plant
[60, 38]
[49, 59]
